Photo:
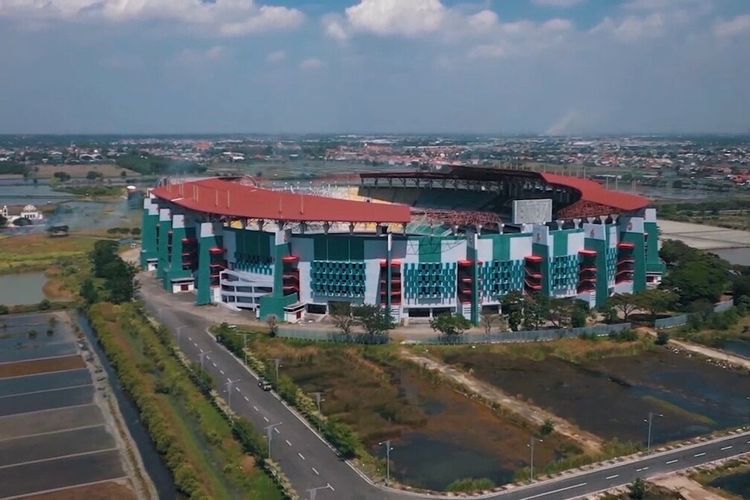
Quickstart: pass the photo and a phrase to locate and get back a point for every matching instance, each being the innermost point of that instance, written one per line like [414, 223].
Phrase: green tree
[625, 303]
[341, 315]
[560, 312]
[656, 301]
[92, 175]
[273, 325]
[512, 307]
[536, 310]
[450, 324]
[45, 305]
[637, 489]
[579, 315]
[374, 320]
[61, 176]
[488, 320]
[662, 338]
[88, 291]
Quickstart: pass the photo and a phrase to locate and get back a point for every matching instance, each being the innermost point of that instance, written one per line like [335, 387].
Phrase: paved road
[310, 463]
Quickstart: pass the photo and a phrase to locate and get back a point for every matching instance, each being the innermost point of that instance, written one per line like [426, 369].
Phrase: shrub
[470, 485]
[662, 338]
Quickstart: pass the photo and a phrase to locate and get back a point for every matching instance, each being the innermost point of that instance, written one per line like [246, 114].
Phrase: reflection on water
[22, 288]
[737, 346]
[737, 484]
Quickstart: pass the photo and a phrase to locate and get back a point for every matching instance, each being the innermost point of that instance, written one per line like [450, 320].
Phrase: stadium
[421, 243]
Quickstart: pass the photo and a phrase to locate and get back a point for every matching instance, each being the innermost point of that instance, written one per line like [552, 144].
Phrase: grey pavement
[309, 462]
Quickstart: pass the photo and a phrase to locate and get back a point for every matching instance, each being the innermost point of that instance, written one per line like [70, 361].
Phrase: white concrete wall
[374, 252]
[453, 250]
[485, 250]
[230, 243]
[304, 248]
[575, 242]
[520, 247]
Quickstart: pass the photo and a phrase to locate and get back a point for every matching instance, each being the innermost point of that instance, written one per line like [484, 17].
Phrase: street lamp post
[277, 364]
[230, 384]
[312, 492]
[318, 399]
[387, 444]
[269, 434]
[650, 424]
[202, 355]
[179, 334]
[532, 440]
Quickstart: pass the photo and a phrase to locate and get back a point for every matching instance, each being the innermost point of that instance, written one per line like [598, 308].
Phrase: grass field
[211, 461]
[37, 252]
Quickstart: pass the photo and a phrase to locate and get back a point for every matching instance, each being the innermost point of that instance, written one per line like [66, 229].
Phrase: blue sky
[267, 66]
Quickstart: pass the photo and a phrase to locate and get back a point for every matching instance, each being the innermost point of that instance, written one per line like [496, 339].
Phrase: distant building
[29, 212]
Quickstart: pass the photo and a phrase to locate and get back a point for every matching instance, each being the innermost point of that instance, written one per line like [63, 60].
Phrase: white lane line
[190, 338]
[554, 491]
[221, 371]
[238, 389]
[671, 461]
[641, 469]
[245, 398]
[207, 357]
[612, 476]
[287, 442]
[699, 454]
[300, 455]
[316, 471]
[276, 430]
[330, 486]
[726, 448]
[265, 418]
[255, 408]
[195, 344]
[213, 364]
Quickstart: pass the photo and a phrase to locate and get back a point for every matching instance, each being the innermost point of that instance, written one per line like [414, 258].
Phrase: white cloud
[738, 26]
[311, 63]
[522, 38]
[276, 56]
[396, 17]
[334, 27]
[222, 17]
[632, 28]
[557, 3]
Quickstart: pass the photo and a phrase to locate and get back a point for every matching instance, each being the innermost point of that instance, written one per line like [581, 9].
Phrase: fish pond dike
[152, 461]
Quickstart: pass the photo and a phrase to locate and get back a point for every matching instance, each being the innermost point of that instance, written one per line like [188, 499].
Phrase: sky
[556, 67]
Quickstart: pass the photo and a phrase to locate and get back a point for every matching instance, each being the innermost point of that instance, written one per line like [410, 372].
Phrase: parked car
[264, 384]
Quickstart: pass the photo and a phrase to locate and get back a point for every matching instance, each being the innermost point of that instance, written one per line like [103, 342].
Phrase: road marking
[612, 476]
[699, 454]
[195, 344]
[287, 442]
[330, 486]
[300, 455]
[265, 418]
[245, 398]
[641, 469]
[190, 338]
[316, 471]
[554, 491]
[255, 408]
[213, 364]
[672, 461]
[208, 358]
[221, 371]
[276, 430]
[726, 448]
[238, 389]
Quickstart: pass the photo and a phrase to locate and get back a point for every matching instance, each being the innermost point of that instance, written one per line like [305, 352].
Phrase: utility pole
[387, 444]
[230, 384]
[202, 355]
[650, 423]
[312, 492]
[318, 399]
[269, 434]
[179, 334]
[532, 440]
[277, 363]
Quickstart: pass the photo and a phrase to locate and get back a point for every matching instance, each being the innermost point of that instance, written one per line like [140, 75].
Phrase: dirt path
[537, 416]
[689, 489]
[708, 352]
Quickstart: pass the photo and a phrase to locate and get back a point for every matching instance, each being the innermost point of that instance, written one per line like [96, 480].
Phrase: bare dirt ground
[703, 236]
[589, 442]
[686, 487]
[718, 355]
[40, 366]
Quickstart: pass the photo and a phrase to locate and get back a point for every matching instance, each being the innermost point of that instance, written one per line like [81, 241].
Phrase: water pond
[22, 288]
[736, 484]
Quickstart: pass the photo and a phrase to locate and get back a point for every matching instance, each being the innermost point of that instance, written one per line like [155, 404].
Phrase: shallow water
[22, 288]
[737, 484]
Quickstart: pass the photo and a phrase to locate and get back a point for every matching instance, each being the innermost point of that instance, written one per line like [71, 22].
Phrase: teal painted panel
[602, 289]
[501, 248]
[430, 249]
[560, 243]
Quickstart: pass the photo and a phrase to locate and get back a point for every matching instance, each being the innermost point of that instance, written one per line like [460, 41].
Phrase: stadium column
[178, 233]
[472, 255]
[654, 263]
[540, 246]
[273, 304]
[633, 233]
[148, 231]
[165, 226]
[595, 240]
[388, 286]
[208, 234]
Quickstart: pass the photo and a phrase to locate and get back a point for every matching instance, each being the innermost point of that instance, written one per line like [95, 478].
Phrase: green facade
[339, 247]
[654, 264]
[203, 276]
[149, 249]
[602, 289]
[175, 270]
[165, 227]
[543, 252]
[639, 255]
[253, 251]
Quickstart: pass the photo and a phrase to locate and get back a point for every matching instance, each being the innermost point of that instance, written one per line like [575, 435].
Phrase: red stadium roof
[234, 199]
[593, 192]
